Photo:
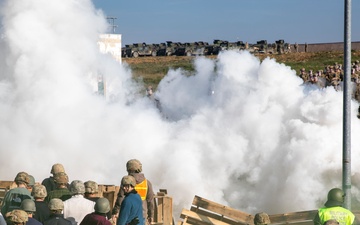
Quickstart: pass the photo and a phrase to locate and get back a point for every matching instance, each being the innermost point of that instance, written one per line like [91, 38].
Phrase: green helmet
[77, 187]
[91, 187]
[31, 180]
[22, 177]
[128, 180]
[56, 204]
[28, 205]
[17, 216]
[335, 197]
[39, 191]
[134, 165]
[102, 205]
[261, 218]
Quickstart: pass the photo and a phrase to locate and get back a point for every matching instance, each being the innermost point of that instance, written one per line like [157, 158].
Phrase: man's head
[56, 205]
[261, 219]
[16, 216]
[61, 179]
[128, 183]
[77, 187]
[335, 198]
[22, 178]
[102, 205]
[39, 191]
[91, 187]
[133, 166]
[57, 168]
[28, 206]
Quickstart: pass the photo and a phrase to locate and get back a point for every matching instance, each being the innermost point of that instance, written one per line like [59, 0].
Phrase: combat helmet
[128, 180]
[31, 180]
[17, 216]
[56, 204]
[77, 187]
[61, 178]
[57, 168]
[91, 187]
[261, 219]
[335, 197]
[134, 165]
[39, 191]
[22, 177]
[102, 205]
[28, 205]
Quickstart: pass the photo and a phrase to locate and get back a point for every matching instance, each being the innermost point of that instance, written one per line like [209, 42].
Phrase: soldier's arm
[317, 219]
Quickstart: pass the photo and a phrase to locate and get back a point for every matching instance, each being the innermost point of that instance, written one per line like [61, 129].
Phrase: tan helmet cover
[17, 216]
[134, 165]
[57, 168]
[128, 180]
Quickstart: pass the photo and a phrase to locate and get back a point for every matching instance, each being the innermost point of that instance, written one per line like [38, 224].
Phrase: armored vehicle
[175, 48]
[142, 49]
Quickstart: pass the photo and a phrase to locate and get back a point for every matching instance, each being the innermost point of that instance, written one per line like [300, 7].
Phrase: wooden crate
[163, 209]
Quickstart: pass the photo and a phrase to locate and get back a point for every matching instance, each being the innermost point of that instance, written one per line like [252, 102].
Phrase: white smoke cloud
[238, 131]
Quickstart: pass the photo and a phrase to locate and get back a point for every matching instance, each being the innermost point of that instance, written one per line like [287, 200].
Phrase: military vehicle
[175, 48]
[142, 49]
[198, 48]
[280, 46]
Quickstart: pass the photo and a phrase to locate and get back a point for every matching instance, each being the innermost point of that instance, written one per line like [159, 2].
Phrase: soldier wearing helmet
[61, 191]
[131, 209]
[49, 182]
[77, 206]
[16, 216]
[261, 219]
[56, 207]
[42, 210]
[31, 183]
[333, 209]
[91, 190]
[13, 198]
[29, 207]
[102, 207]
[143, 187]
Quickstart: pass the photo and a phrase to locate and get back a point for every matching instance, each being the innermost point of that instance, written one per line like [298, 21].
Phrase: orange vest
[141, 189]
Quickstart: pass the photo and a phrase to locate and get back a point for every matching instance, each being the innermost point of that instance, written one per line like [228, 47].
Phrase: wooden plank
[200, 219]
[293, 217]
[223, 210]
[216, 216]
[168, 211]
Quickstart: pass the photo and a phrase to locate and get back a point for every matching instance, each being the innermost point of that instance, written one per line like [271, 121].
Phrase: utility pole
[346, 181]
[112, 20]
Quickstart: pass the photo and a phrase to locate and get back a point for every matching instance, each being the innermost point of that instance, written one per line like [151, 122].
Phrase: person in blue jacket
[131, 212]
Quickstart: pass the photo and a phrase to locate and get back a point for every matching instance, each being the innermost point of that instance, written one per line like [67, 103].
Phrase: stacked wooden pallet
[206, 212]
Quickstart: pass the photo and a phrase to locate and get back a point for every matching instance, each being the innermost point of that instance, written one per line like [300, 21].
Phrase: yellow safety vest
[142, 189]
[342, 215]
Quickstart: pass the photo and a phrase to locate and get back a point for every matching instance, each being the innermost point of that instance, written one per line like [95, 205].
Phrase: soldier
[56, 207]
[16, 217]
[131, 211]
[296, 46]
[102, 207]
[15, 196]
[143, 187]
[49, 182]
[61, 191]
[77, 207]
[261, 219]
[31, 183]
[42, 209]
[333, 209]
[306, 47]
[91, 190]
[28, 206]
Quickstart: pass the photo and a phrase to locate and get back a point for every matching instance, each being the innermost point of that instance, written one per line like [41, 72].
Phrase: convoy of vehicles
[200, 48]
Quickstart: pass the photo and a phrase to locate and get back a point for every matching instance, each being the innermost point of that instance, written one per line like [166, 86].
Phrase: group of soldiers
[333, 75]
[55, 201]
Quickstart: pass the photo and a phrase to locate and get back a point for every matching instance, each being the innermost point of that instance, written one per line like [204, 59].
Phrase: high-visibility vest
[342, 215]
[142, 189]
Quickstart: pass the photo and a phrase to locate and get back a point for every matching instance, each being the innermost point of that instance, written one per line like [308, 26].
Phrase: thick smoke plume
[238, 131]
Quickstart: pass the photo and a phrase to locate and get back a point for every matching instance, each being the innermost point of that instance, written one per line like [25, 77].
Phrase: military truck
[142, 49]
[175, 48]
[198, 48]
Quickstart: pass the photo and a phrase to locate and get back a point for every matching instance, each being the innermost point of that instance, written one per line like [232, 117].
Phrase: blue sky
[155, 21]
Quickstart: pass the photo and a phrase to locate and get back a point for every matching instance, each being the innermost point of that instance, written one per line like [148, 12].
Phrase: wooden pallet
[206, 212]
